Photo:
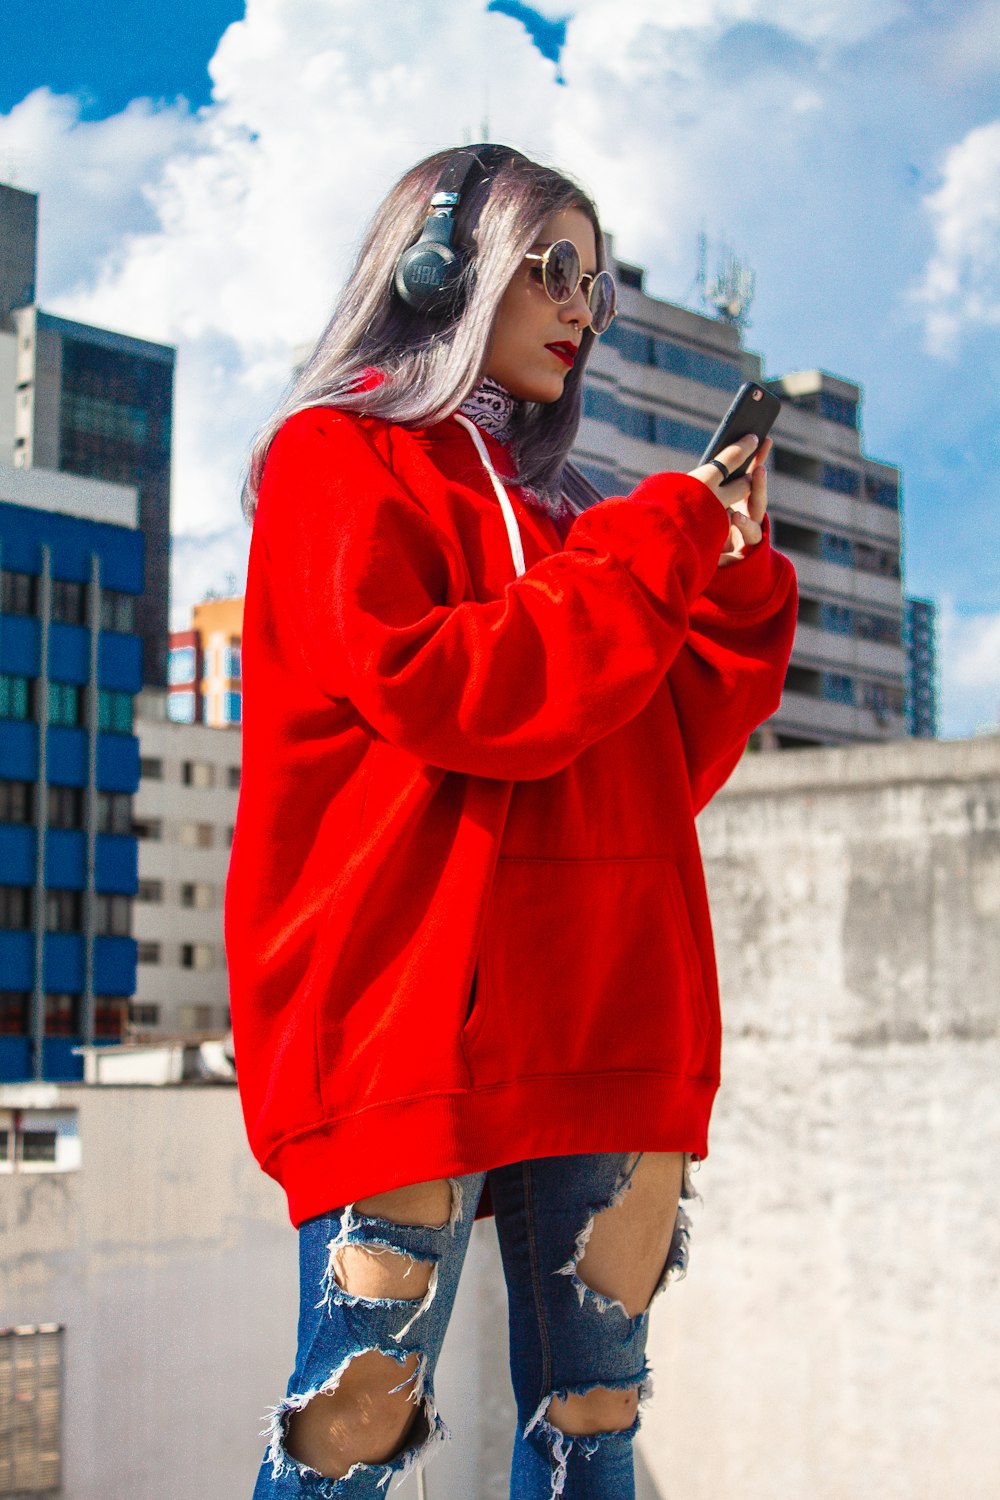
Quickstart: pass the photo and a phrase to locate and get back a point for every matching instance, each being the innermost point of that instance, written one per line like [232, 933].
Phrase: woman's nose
[577, 309]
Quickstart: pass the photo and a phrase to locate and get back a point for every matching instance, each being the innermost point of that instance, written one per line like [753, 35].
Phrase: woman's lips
[565, 352]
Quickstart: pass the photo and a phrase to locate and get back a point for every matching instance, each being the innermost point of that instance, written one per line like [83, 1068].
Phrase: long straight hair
[430, 366]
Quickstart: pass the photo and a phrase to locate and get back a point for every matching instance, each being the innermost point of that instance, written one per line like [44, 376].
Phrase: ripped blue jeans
[565, 1338]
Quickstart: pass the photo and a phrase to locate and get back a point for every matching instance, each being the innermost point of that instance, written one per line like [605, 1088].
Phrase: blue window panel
[67, 756]
[836, 617]
[181, 665]
[836, 549]
[65, 859]
[708, 369]
[604, 480]
[632, 344]
[17, 858]
[114, 965]
[20, 645]
[15, 1059]
[59, 1063]
[838, 409]
[234, 708]
[837, 688]
[836, 477]
[119, 662]
[117, 762]
[69, 653]
[62, 963]
[180, 708]
[231, 662]
[634, 422]
[17, 959]
[600, 404]
[117, 864]
[670, 433]
[882, 492]
[19, 752]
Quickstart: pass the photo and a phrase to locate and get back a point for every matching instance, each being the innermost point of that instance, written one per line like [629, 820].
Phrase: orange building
[204, 671]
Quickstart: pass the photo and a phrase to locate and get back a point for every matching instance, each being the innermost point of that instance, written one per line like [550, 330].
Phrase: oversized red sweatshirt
[466, 920]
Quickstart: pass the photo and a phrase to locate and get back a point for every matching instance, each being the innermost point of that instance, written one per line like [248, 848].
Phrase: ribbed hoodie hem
[452, 1134]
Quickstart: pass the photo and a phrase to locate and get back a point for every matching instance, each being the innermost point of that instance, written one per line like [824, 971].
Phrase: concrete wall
[836, 1334]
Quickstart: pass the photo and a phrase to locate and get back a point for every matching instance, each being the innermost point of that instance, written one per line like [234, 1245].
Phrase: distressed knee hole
[599, 1410]
[380, 1271]
[622, 1250]
[426, 1203]
[367, 1416]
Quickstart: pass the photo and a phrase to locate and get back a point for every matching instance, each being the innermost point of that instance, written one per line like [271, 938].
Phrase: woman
[470, 955]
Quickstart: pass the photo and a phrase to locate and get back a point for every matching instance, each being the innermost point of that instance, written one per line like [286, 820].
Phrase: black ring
[720, 466]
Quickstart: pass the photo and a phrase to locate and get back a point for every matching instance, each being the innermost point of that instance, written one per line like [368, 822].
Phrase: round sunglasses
[561, 272]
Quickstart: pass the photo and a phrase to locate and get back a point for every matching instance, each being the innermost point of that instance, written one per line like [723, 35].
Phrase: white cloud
[960, 290]
[969, 647]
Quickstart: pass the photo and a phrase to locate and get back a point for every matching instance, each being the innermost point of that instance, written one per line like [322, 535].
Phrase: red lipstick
[565, 351]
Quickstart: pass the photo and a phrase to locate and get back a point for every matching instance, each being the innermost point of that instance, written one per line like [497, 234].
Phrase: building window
[151, 768]
[15, 697]
[200, 773]
[233, 777]
[148, 953]
[147, 828]
[114, 813]
[112, 915]
[16, 802]
[837, 688]
[838, 409]
[62, 1015]
[110, 1015]
[198, 894]
[63, 911]
[837, 618]
[231, 663]
[150, 890]
[233, 708]
[65, 807]
[230, 833]
[64, 704]
[837, 477]
[181, 708]
[194, 1017]
[14, 1013]
[836, 549]
[197, 956]
[670, 433]
[69, 602]
[114, 711]
[18, 593]
[101, 417]
[882, 492]
[117, 611]
[37, 1140]
[143, 1015]
[182, 665]
[31, 1379]
[15, 907]
[197, 835]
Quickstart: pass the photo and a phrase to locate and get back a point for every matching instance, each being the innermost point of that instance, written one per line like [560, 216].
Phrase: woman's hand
[745, 499]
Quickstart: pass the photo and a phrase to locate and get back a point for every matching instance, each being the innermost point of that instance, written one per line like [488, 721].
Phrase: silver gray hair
[431, 366]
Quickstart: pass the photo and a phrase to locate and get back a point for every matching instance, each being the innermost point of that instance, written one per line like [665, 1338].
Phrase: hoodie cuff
[749, 583]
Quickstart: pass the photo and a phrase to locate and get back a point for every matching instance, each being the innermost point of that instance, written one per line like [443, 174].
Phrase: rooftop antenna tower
[729, 290]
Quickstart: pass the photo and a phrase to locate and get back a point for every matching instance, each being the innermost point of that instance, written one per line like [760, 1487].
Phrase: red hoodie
[466, 919]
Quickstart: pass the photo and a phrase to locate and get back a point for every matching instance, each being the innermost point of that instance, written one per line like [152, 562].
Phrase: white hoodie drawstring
[510, 520]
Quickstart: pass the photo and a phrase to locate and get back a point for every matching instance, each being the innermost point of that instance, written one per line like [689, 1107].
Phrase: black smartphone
[753, 410]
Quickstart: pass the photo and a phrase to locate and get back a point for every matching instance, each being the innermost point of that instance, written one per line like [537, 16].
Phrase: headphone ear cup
[427, 277]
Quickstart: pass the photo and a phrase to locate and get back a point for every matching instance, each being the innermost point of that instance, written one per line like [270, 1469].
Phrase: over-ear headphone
[429, 273]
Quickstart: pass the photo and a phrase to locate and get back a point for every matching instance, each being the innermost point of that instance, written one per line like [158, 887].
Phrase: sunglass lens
[602, 301]
[562, 270]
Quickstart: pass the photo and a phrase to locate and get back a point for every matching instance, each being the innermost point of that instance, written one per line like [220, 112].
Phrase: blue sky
[205, 172]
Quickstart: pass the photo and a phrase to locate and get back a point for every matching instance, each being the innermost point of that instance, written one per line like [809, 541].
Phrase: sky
[206, 171]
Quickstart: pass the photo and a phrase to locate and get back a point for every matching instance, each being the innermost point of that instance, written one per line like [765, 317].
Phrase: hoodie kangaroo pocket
[586, 966]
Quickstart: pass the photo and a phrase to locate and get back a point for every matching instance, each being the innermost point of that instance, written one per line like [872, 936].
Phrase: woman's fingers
[731, 457]
[749, 528]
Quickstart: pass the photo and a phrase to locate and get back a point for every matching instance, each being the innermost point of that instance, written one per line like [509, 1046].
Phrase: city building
[657, 384]
[204, 668]
[90, 402]
[70, 666]
[183, 815]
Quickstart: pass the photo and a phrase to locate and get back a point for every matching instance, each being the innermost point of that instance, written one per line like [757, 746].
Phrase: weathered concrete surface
[837, 1333]
[836, 1336]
